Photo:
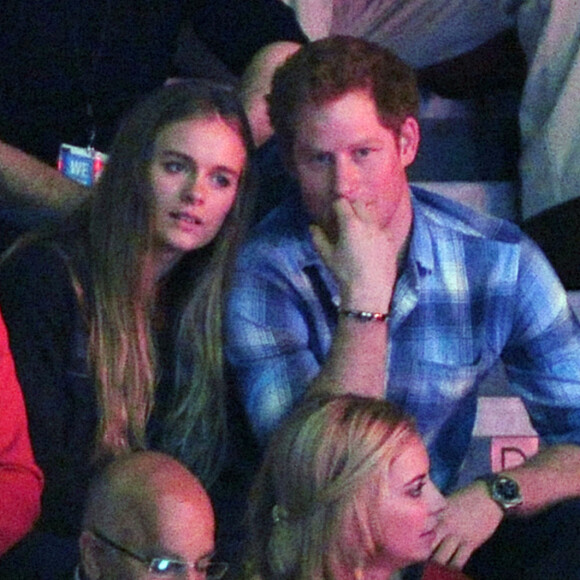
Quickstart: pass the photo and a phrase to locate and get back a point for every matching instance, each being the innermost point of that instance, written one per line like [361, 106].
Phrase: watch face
[507, 488]
[506, 491]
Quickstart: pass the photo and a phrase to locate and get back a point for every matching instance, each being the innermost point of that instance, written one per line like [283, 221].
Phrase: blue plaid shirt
[474, 290]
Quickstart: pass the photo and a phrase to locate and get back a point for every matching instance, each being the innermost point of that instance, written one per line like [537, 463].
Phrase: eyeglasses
[169, 567]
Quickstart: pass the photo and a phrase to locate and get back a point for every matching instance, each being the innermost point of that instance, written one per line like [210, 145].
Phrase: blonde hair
[309, 486]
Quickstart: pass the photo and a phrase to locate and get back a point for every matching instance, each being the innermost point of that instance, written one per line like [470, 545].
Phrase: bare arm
[364, 261]
[356, 361]
[26, 181]
[472, 516]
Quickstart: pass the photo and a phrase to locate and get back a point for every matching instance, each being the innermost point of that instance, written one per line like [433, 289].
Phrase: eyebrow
[416, 479]
[307, 148]
[229, 170]
[174, 153]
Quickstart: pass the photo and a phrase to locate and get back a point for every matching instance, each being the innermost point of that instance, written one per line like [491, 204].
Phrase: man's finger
[445, 550]
[364, 211]
[321, 242]
[462, 554]
[343, 211]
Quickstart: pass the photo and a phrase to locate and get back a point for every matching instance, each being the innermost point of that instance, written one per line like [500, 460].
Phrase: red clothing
[20, 478]
[434, 571]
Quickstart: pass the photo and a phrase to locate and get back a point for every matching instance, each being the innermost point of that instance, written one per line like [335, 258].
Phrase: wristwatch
[504, 490]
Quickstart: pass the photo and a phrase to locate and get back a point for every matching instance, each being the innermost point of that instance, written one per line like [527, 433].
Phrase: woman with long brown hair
[115, 317]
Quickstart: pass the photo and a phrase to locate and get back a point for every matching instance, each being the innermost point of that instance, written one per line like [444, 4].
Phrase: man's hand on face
[470, 519]
[363, 257]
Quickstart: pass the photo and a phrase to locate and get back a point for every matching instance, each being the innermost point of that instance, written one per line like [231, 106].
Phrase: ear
[91, 554]
[409, 137]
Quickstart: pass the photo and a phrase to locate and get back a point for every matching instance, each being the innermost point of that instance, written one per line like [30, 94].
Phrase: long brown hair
[110, 240]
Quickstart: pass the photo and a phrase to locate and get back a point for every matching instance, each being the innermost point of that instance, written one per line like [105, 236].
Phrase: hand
[470, 519]
[363, 259]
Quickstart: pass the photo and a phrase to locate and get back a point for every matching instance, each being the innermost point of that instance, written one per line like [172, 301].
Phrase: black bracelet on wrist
[364, 316]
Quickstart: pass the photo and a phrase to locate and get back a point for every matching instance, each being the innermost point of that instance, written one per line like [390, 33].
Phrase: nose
[345, 179]
[193, 191]
[437, 503]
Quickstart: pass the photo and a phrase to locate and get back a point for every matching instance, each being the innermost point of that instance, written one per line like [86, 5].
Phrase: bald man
[147, 516]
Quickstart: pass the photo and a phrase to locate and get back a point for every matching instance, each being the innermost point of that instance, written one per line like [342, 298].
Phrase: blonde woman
[344, 492]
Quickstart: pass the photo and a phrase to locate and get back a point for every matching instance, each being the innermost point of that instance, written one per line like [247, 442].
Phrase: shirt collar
[420, 259]
[421, 253]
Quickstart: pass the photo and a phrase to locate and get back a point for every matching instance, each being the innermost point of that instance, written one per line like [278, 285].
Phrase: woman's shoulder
[39, 259]
[29, 254]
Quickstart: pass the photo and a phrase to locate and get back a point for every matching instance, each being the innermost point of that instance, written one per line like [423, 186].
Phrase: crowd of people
[165, 356]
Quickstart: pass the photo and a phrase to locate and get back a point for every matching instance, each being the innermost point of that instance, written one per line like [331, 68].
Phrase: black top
[48, 339]
[48, 342]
